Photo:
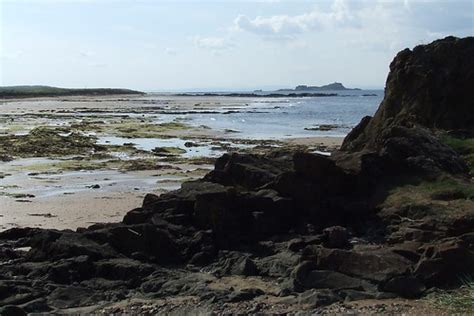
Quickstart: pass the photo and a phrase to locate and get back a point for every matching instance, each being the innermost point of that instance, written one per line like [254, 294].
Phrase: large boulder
[242, 217]
[377, 264]
[144, 241]
[402, 150]
[175, 206]
[418, 149]
[307, 276]
[445, 261]
[52, 245]
[249, 171]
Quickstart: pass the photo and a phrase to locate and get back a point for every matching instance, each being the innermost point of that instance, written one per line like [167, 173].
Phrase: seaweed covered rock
[48, 142]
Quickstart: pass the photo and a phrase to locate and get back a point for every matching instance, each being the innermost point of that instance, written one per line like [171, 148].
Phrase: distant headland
[47, 91]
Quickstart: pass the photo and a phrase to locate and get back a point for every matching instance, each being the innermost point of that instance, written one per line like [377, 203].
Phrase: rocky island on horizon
[388, 216]
[299, 91]
[336, 86]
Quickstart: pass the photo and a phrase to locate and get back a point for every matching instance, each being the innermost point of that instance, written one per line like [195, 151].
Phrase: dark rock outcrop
[428, 86]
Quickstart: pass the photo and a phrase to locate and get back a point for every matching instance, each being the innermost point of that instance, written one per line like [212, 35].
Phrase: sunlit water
[283, 118]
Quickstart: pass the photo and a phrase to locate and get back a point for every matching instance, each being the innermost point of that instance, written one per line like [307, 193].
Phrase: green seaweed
[190, 160]
[48, 142]
[10, 186]
[129, 128]
[17, 195]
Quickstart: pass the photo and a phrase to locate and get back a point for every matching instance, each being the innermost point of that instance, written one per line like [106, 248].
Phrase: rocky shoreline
[390, 215]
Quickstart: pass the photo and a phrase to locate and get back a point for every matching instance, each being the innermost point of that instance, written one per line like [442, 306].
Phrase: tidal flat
[74, 161]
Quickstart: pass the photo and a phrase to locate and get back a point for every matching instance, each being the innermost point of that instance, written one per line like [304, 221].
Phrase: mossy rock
[464, 146]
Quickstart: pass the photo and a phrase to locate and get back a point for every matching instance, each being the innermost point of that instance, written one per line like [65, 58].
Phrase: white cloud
[278, 26]
[216, 45]
[288, 26]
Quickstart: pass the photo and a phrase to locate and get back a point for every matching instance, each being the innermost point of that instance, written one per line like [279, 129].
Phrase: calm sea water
[288, 117]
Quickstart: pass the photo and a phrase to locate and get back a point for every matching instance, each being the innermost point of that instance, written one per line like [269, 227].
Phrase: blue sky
[181, 45]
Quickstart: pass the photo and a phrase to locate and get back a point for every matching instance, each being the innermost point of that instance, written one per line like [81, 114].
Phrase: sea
[275, 118]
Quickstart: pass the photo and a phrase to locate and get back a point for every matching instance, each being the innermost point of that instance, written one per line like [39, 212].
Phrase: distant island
[336, 86]
[299, 91]
[257, 95]
[46, 91]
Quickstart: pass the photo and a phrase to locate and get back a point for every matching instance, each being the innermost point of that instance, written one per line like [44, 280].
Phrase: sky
[216, 45]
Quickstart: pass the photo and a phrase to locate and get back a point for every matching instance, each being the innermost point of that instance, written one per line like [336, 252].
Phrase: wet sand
[73, 199]
[68, 212]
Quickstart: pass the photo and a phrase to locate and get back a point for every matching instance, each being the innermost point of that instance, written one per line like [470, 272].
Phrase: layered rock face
[429, 86]
[296, 230]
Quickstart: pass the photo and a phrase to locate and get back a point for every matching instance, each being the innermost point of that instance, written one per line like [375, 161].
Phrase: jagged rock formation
[428, 86]
[295, 230]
